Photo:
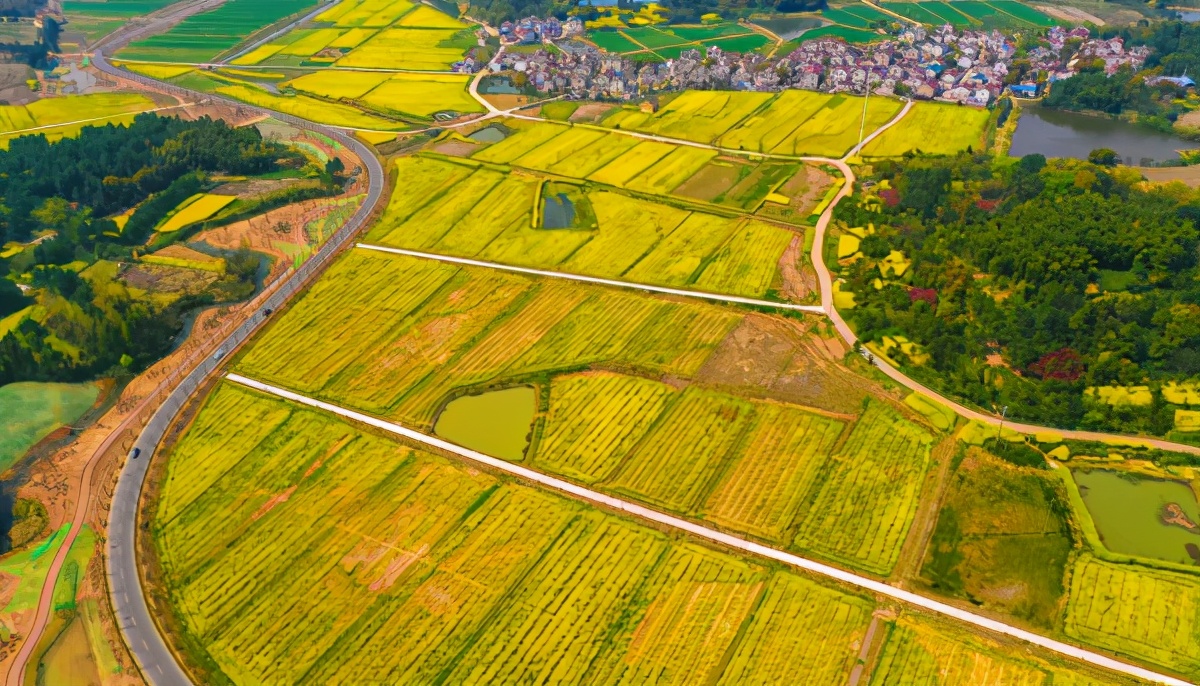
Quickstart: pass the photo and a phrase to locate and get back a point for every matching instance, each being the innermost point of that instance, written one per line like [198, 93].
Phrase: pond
[1129, 513]
[558, 212]
[1190, 17]
[1055, 133]
[494, 423]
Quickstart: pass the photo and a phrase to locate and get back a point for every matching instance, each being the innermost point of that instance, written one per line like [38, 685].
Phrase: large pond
[495, 423]
[1054, 133]
[1129, 514]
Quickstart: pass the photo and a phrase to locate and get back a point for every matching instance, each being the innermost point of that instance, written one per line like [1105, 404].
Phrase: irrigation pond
[1130, 513]
[494, 423]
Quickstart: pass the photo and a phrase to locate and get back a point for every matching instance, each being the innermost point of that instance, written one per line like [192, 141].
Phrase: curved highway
[154, 657]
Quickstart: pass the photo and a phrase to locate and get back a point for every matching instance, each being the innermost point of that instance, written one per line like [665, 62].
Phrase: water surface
[1055, 133]
[1128, 514]
[494, 423]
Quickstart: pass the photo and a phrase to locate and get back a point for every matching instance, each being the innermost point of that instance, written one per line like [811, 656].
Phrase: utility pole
[1003, 416]
[862, 125]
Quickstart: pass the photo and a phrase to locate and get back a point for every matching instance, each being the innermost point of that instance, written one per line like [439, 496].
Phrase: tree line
[1032, 281]
[65, 192]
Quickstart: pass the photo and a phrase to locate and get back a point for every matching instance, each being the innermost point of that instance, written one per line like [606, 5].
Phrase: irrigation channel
[156, 660]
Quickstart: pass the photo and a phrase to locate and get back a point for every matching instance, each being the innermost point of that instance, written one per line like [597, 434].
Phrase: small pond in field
[558, 212]
[1129, 514]
[494, 423]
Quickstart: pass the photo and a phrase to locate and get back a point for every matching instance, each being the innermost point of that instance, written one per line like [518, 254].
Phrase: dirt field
[779, 358]
[1188, 175]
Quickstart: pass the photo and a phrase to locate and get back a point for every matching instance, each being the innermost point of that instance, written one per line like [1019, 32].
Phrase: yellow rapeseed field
[195, 209]
[405, 559]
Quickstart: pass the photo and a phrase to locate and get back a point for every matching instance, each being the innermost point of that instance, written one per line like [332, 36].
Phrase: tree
[1106, 157]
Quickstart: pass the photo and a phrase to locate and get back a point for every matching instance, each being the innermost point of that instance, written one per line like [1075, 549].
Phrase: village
[968, 67]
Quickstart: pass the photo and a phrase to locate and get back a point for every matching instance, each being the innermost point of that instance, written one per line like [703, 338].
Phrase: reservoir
[1055, 133]
[1128, 512]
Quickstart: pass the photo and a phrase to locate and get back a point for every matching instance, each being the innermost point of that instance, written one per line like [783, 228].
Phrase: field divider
[701, 295]
[725, 539]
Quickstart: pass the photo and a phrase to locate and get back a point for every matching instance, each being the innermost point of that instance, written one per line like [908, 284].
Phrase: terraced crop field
[411, 559]
[454, 209]
[669, 42]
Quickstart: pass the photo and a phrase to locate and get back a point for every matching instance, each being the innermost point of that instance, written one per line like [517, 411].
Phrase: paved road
[814, 309]
[826, 283]
[155, 659]
[742, 544]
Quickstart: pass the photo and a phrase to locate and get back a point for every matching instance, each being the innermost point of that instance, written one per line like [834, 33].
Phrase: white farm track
[161, 667]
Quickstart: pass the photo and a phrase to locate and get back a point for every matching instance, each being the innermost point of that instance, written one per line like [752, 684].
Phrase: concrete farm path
[703, 295]
[741, 544]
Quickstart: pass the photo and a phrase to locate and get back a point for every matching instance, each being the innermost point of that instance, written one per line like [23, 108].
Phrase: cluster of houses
[969, 67]
[531, 30]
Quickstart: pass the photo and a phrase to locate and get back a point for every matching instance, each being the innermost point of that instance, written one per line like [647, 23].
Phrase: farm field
[59, 110]
[357, 34]
[669, 42]
[922, 650]
[637, 240]
[203, 36]
[793, 122]
[650, 167]
[718, 468]
[32, 410]
[933, 129]
[992, 14]
[1136, 611]
[416, 557]
[410, 95]
[1001, 540]
[195, 209]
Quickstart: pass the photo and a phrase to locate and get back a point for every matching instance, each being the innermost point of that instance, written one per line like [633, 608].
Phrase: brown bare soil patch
[778, 358]
[805, 189]
[182, 252]
[275, 500]
[456, 148]
[1188, 175]
[711, 181]
[253, 187]
[796, 285]
[590, 112]
[505, 101]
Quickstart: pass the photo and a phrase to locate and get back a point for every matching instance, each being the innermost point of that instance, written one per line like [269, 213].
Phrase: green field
[202, 37]
[992, 14]
[32, 410]
[408, 561]
[1001, 540]
[668, 42]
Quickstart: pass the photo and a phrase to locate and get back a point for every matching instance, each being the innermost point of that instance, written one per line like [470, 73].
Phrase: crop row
[202, 36]
[342, 554]
[1151, 614]
[448, 209]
